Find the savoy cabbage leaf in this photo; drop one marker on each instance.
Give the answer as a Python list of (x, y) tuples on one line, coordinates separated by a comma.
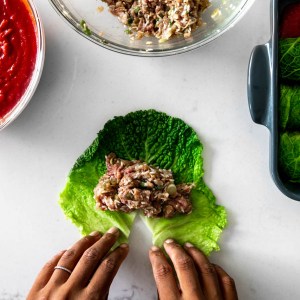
[(289, 58), (289, 107), (289, 155), (159, 140)]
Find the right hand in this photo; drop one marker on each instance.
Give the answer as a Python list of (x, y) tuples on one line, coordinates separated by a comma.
[(198, 279)]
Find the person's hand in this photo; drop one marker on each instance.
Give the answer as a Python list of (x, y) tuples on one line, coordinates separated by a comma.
[(197, 277), (84, 271)]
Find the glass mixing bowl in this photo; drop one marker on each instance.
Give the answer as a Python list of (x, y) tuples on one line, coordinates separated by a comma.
[(38, 68), (108, 32)]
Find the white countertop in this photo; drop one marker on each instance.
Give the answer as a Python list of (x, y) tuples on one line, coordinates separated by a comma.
[(83, 86)]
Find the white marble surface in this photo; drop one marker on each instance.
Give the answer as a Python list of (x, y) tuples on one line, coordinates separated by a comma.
[(82, 86)]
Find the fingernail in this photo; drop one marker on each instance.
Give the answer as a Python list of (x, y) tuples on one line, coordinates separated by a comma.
[(113, 230), (95, 233), (169, 241), (189, 245), (155, 248), (124, 246)]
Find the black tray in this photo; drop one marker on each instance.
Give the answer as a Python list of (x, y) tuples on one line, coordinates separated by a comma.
[(263, 94)]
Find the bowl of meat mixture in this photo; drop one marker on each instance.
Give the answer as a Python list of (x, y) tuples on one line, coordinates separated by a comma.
[(151, 27)]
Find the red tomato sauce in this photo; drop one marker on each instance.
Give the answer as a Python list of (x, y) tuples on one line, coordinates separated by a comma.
[(18, 51), (290, 24)]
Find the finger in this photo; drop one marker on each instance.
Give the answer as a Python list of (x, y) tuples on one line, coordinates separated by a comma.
[(46, 272), (70, 258), (92, 257), (207, 273), (163, 275), (185, 270), (227, 284), (106, 272)]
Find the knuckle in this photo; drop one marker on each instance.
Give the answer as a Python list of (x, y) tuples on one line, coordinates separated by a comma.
[(207, 269), (69, 254), (67, 291), (227, 280), (155, 254), (47, 294), (93, 293), (184, 262), (175, 245), (49, 265), (42, 296), (109, 264), (91, 254), (108, 237), (215, 296), (86, 239), (162, 271)]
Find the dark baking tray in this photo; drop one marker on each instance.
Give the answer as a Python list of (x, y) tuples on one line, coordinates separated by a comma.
[(263, 95)]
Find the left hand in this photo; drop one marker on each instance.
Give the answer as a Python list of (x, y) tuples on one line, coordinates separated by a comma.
[(89, 269)]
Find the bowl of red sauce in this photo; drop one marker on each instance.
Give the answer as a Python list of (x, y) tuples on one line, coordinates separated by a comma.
[(22, 53)]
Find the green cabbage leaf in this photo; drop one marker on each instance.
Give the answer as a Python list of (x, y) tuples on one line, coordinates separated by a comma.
[(202, 227), (289, 155), (289, 107), (289, 58), (159, 140)]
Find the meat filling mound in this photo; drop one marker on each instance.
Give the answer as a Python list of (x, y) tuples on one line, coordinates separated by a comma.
[(131, 185), (159, 18)]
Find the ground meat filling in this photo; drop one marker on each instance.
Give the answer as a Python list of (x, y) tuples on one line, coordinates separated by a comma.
[(159, 18), (132, 185)]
